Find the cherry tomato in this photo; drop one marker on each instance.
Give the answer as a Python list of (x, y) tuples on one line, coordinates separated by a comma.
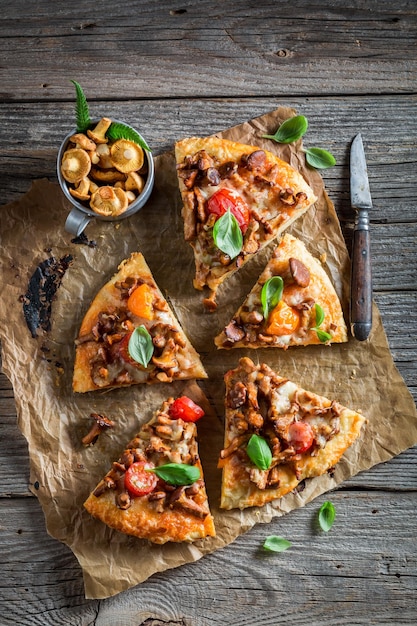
[(301, 436), (139, 481), (283, 320), (140, 301), (224, 200), (184, 408)]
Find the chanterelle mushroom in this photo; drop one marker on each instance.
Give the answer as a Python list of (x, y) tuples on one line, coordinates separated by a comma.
[(109, 201), (127, 156), (134, 182), (82, 141), (101, 422), (82, 192), (98, 134), (75, 165)]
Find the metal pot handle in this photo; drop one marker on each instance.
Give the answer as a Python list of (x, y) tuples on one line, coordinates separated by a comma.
[(77, 221)]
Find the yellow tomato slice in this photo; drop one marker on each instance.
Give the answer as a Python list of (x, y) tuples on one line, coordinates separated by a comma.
[(283, 320), (140, 302)]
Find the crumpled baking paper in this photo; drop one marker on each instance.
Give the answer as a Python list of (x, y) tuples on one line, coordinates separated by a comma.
[(53, 419)]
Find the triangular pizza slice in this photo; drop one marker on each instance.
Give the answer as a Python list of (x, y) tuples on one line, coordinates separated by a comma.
[(293, 303), (129, 335), (277, 434), (236, 198), (156, 489)]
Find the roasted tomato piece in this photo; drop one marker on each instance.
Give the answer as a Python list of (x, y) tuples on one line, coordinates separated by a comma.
[(139, 481), (140, 301), (283, 320), (301, 436), (184, 408), (225, 200)]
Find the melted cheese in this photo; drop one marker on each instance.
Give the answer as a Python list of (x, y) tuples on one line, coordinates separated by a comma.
[(282, 397)]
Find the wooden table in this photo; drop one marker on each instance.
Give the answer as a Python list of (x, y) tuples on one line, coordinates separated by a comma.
[(183, 68)]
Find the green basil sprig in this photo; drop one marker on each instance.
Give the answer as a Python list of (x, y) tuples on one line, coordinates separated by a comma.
[(326, 517), (227, 235), (276, 544), (259, 452), (321, 334), (290, 130), (140, 346), (319, 159), (117, 130), (271, 294), (177, 473), (82, 112)]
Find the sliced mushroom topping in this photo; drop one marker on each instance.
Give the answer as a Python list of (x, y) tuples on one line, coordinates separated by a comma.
[(233, 332), (109, 201), (255, 160), (299, 272), (237, 395), (127, 156), (75, 165)]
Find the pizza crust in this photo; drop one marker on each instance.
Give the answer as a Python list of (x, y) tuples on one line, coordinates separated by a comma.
[(143, 521), (109, 299), (237, 490), (162, 440)]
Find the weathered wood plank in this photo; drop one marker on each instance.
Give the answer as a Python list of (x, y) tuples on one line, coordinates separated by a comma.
[(363, 571), (203, 49), (31, 134)]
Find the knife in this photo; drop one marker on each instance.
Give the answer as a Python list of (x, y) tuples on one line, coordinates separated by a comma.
[(361, 276)]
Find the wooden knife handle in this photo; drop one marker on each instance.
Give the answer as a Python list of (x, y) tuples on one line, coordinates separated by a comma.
[(361, 283)]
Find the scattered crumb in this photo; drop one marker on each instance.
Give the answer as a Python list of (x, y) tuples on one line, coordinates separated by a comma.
[(323, 257)]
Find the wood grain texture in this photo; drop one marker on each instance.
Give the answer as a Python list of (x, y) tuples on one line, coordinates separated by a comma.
[(352, 571), (179, 69), (206, 49)]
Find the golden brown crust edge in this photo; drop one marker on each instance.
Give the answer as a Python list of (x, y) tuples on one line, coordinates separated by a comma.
[(143, 521)]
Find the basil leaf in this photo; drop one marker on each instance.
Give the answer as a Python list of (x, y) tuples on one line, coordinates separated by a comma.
[(177, 473), (327, 514), (322, 335), (140, 346), (319, 315), (117, 130), (259, 452), (82, 113), (319, 158), (227, 235), (276, 544), (271, 294), (290, 130)]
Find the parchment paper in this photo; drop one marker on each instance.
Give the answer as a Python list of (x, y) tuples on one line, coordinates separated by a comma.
[(53, 419)]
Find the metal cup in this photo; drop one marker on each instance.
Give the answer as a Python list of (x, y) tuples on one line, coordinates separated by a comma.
[(80, 216)]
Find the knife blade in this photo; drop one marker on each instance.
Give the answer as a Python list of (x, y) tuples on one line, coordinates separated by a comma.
[(361, 275)]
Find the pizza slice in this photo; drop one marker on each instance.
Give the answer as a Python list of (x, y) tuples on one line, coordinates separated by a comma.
[(129, 335), (236, 198), (293, 303), (276, 435), (156, 489)]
